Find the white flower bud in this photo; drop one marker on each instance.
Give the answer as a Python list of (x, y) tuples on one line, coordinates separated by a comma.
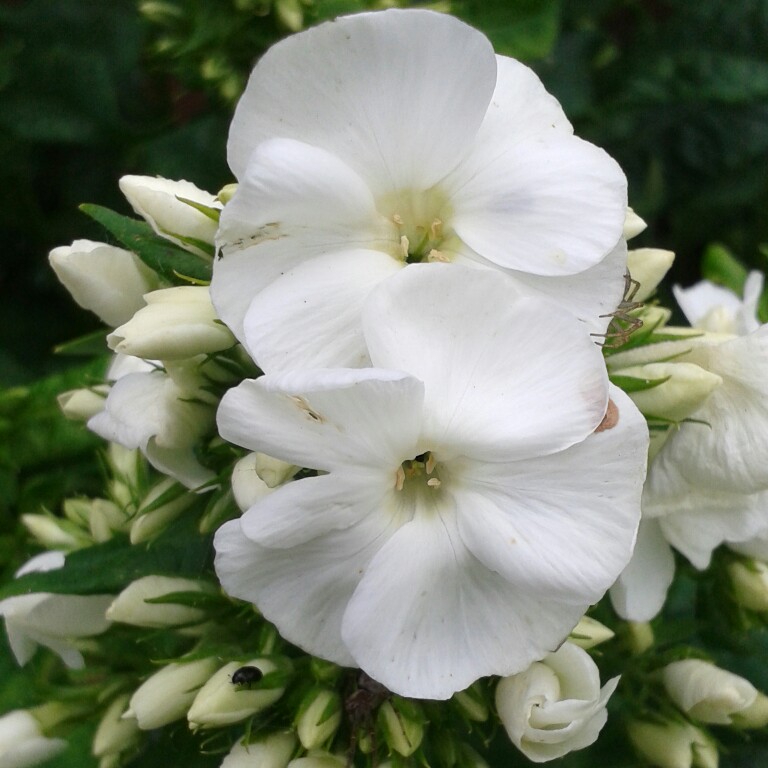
[(52, 620), (686, 388), (633, 224), (274, 751), (22, 742), (648, 266), (220, 702), (318, 759), (556, 706), (176, 323), (226, 193), (589, 632), (109, 281), (403, 726), (167, 695), (472, 703), (640, 636), (273, 471), (673, 744), (749, 580), (131, 606), (149, 524), (54, 533), (81, 404), (706, 692), (319, 717), (247, 486), (160, 202), (755, 715), (114, 733)]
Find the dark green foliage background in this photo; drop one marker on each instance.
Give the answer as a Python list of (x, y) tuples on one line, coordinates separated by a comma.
[(676, 91)]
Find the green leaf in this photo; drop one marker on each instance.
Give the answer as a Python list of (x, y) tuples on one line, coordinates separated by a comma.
[(90, 345), (165, 258), (110, 567), (720, 266), (525, 29)]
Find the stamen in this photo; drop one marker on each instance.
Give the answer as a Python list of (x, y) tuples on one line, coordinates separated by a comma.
[(399, 479), (398, 219), (438, 256), (405, 246), (433, 482), (436, 230), (430, 465)]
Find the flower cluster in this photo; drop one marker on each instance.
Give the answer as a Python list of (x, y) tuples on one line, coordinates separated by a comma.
[(402, 369)]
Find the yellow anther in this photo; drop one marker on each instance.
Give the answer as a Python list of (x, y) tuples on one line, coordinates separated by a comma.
[(433, 482), (399, 479)]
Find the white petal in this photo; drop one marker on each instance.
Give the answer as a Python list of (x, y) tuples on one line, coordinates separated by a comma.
[(727, 450), (550, 206), (640, 591), (563, 525), (428, 619), (328, 418), (305, 509), (306, 593), (71, 615), (310, 316), (504, 377), (397, 95)]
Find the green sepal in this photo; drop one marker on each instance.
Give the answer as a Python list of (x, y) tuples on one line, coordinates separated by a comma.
[(90, 345), (635, 384)]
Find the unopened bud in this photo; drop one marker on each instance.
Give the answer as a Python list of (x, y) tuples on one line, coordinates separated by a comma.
[(319, 717), (131, 606), (403, 725), (226, 193), (673, 744), (648, 266), (640, 636), (222, 702), (633, 224), (273, 471), (247, 486), (165, 502), (749, 580), (81, 404), (55, 533), (273, 751), (589, 632), (115, 734), (753, 716), (472, 703)]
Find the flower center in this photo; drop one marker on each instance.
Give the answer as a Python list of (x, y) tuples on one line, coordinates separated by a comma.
[(421, 226), (417, 474)]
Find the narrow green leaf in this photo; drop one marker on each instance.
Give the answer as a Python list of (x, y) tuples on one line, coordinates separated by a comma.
[(165, 258), (634, 384)]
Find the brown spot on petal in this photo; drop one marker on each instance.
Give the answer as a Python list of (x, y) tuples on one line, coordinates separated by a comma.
[(611, 418)]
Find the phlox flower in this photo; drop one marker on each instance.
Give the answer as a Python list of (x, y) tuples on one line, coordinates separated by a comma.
[(472, 497), (384, 139), (708, 485)]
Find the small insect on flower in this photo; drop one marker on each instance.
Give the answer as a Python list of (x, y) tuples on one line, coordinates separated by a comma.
[(246, 676)]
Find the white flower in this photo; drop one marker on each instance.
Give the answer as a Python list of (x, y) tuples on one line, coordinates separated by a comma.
[(109, 281), (389, 138), (274, 751), (718, 310), (465, 515), (176, 323), (167, 695), (556, 706), (52, 620), (706, 692), (22, 742), (162, 203), (151, 412)]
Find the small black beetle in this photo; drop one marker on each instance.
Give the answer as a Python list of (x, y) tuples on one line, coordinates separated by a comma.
[(246, 676)]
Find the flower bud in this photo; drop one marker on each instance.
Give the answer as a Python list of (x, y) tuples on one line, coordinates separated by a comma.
[(290, 14), (749, 581), (161, 203), (686, 388), (588, 633), (131, 606), (105, 519), (175, 324), (403, 725), (22, 742), (115, 734), (273, 751), (648, 266), (468, 758), (640, 636), (673, 744), (226, 193), (54, 533), (165, 502), (472, 704), (556, 706), (106, 280), (167, 695), (220, 702), (319, 717), (318, 759), (273, 471), (753, 716), (247, 485), (706, 692), (633, 224), (81, 404)]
